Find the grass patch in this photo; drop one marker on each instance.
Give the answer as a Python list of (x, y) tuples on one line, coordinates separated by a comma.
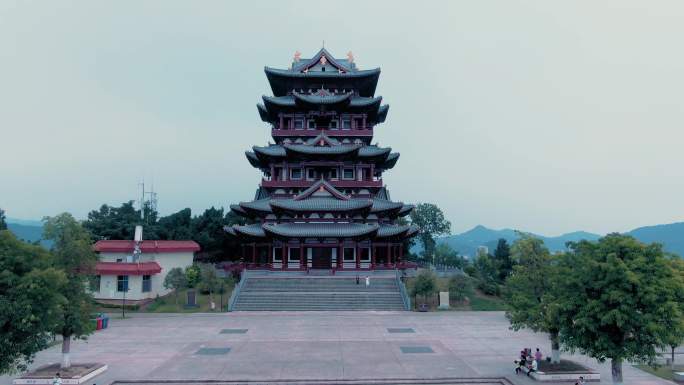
[(660, 371), (167, 303)]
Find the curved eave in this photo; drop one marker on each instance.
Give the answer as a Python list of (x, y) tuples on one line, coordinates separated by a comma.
[(249, 231), (391, 161), (382, 113), (258, 207), (406, 210), (381, 206), (253, 159), (375, 152), (321, 205), (263, 113), (264, 153), (282, 81), (307, 63), (303, 149), (393, 231), (239, 210), (321, 230), (315, 101), (413, 231)]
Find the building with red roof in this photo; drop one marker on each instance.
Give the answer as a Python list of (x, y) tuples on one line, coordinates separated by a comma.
[(141, 278)]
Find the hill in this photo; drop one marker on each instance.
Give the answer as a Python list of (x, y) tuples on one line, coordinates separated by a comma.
[(671, 236)]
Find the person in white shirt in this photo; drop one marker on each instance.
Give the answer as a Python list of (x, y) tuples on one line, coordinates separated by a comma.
[(57, 380)]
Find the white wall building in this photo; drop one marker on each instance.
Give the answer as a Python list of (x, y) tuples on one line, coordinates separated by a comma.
[(144, 278)]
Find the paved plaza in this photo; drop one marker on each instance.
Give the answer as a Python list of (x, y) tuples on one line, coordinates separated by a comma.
[(353, 347)]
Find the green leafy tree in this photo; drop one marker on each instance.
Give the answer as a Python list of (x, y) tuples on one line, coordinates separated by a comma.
[(620, 300), (486, 274), (193, 276), (30, 301), (459, 286), (177, 226), (72, 253), (676, 337), (3, 224), (531, 291), (209, 281), (425, 284), (431, 223), (502, 260), (445, 255), (175, 280), (110, 222)]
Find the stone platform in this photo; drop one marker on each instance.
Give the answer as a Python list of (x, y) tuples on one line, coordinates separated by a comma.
[(337, 347)]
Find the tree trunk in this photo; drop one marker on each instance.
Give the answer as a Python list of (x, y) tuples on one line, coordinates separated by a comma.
[(616, 370), (175, 294), (555, 347), (66, 346), (672, 365)]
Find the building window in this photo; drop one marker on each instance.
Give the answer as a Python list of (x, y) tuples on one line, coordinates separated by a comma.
[(293, 254), (348, 173), (147, 284), (346, 124), (277, 254), (333, 124), (121, 283), (119, 260), (365, 254), (299, 124), (311, 174), (295, 173), (311, 124), (332, 174), (349, 254), (358, 122), (95, 283)]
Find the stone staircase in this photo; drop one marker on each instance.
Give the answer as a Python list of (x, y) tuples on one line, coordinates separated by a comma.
[(318, 294)]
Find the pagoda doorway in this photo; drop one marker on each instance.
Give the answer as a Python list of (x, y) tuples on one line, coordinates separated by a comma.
[(321, 257)]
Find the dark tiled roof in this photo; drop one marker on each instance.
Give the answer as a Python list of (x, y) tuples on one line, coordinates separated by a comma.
[(322, 183), (331, 230), (322, 136), (380, 205), (387, 231), (391, 161), (321, 99), (322, 150), (257, 205), (254, 230), (373, 151), (406, 209), (322, 204)]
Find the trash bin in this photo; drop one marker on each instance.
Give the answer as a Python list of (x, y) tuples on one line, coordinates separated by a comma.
[(105, 322), (99, 323), (94, 322)]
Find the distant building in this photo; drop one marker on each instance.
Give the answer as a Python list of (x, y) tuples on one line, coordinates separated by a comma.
[(116, 271), (482, 250)]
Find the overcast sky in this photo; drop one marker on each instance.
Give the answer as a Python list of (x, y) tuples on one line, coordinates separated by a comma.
[(542, 116)]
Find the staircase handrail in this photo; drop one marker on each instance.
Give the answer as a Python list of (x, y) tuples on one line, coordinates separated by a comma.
[(236, 290), (402, 288)]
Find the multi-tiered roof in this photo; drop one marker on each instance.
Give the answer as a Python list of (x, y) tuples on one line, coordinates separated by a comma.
[(322, 176)]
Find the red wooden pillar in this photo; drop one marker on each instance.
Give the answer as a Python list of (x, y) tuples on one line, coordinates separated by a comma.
[(358, 255), (302, 262), (374, 249), (254, 253), (283, 257), (389, 254), (270, 255), (401, 253)]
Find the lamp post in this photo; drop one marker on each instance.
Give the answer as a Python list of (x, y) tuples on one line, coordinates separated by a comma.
[(123, 306)]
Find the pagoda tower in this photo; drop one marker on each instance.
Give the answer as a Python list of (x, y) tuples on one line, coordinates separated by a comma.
[(321, 203)]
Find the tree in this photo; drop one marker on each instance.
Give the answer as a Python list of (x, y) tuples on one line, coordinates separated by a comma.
[(209, 281), (446, 255), (620, 300), (3, 224), (30, 301), (486, 274), (175, 280), (676, 337), (502, 260), (431, 223), (425, 284), (459, 286), (72, 253), (192, 276), (114, 222), (531, 291)]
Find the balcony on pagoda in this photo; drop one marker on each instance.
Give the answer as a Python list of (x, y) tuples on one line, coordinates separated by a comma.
[(303, 183), (287, 132)]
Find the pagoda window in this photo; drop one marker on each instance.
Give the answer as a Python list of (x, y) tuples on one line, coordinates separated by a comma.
[(349, 254), (311, 174), (311, 124), (358, 123), (332, 174), (365, 254), (295, 173), (286, 123), (346, 123), (334, 124), (348, 173), (293, 254), (299, 124), (277, 254)]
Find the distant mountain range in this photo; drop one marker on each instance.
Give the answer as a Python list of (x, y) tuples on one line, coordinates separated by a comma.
[(670, 235)]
